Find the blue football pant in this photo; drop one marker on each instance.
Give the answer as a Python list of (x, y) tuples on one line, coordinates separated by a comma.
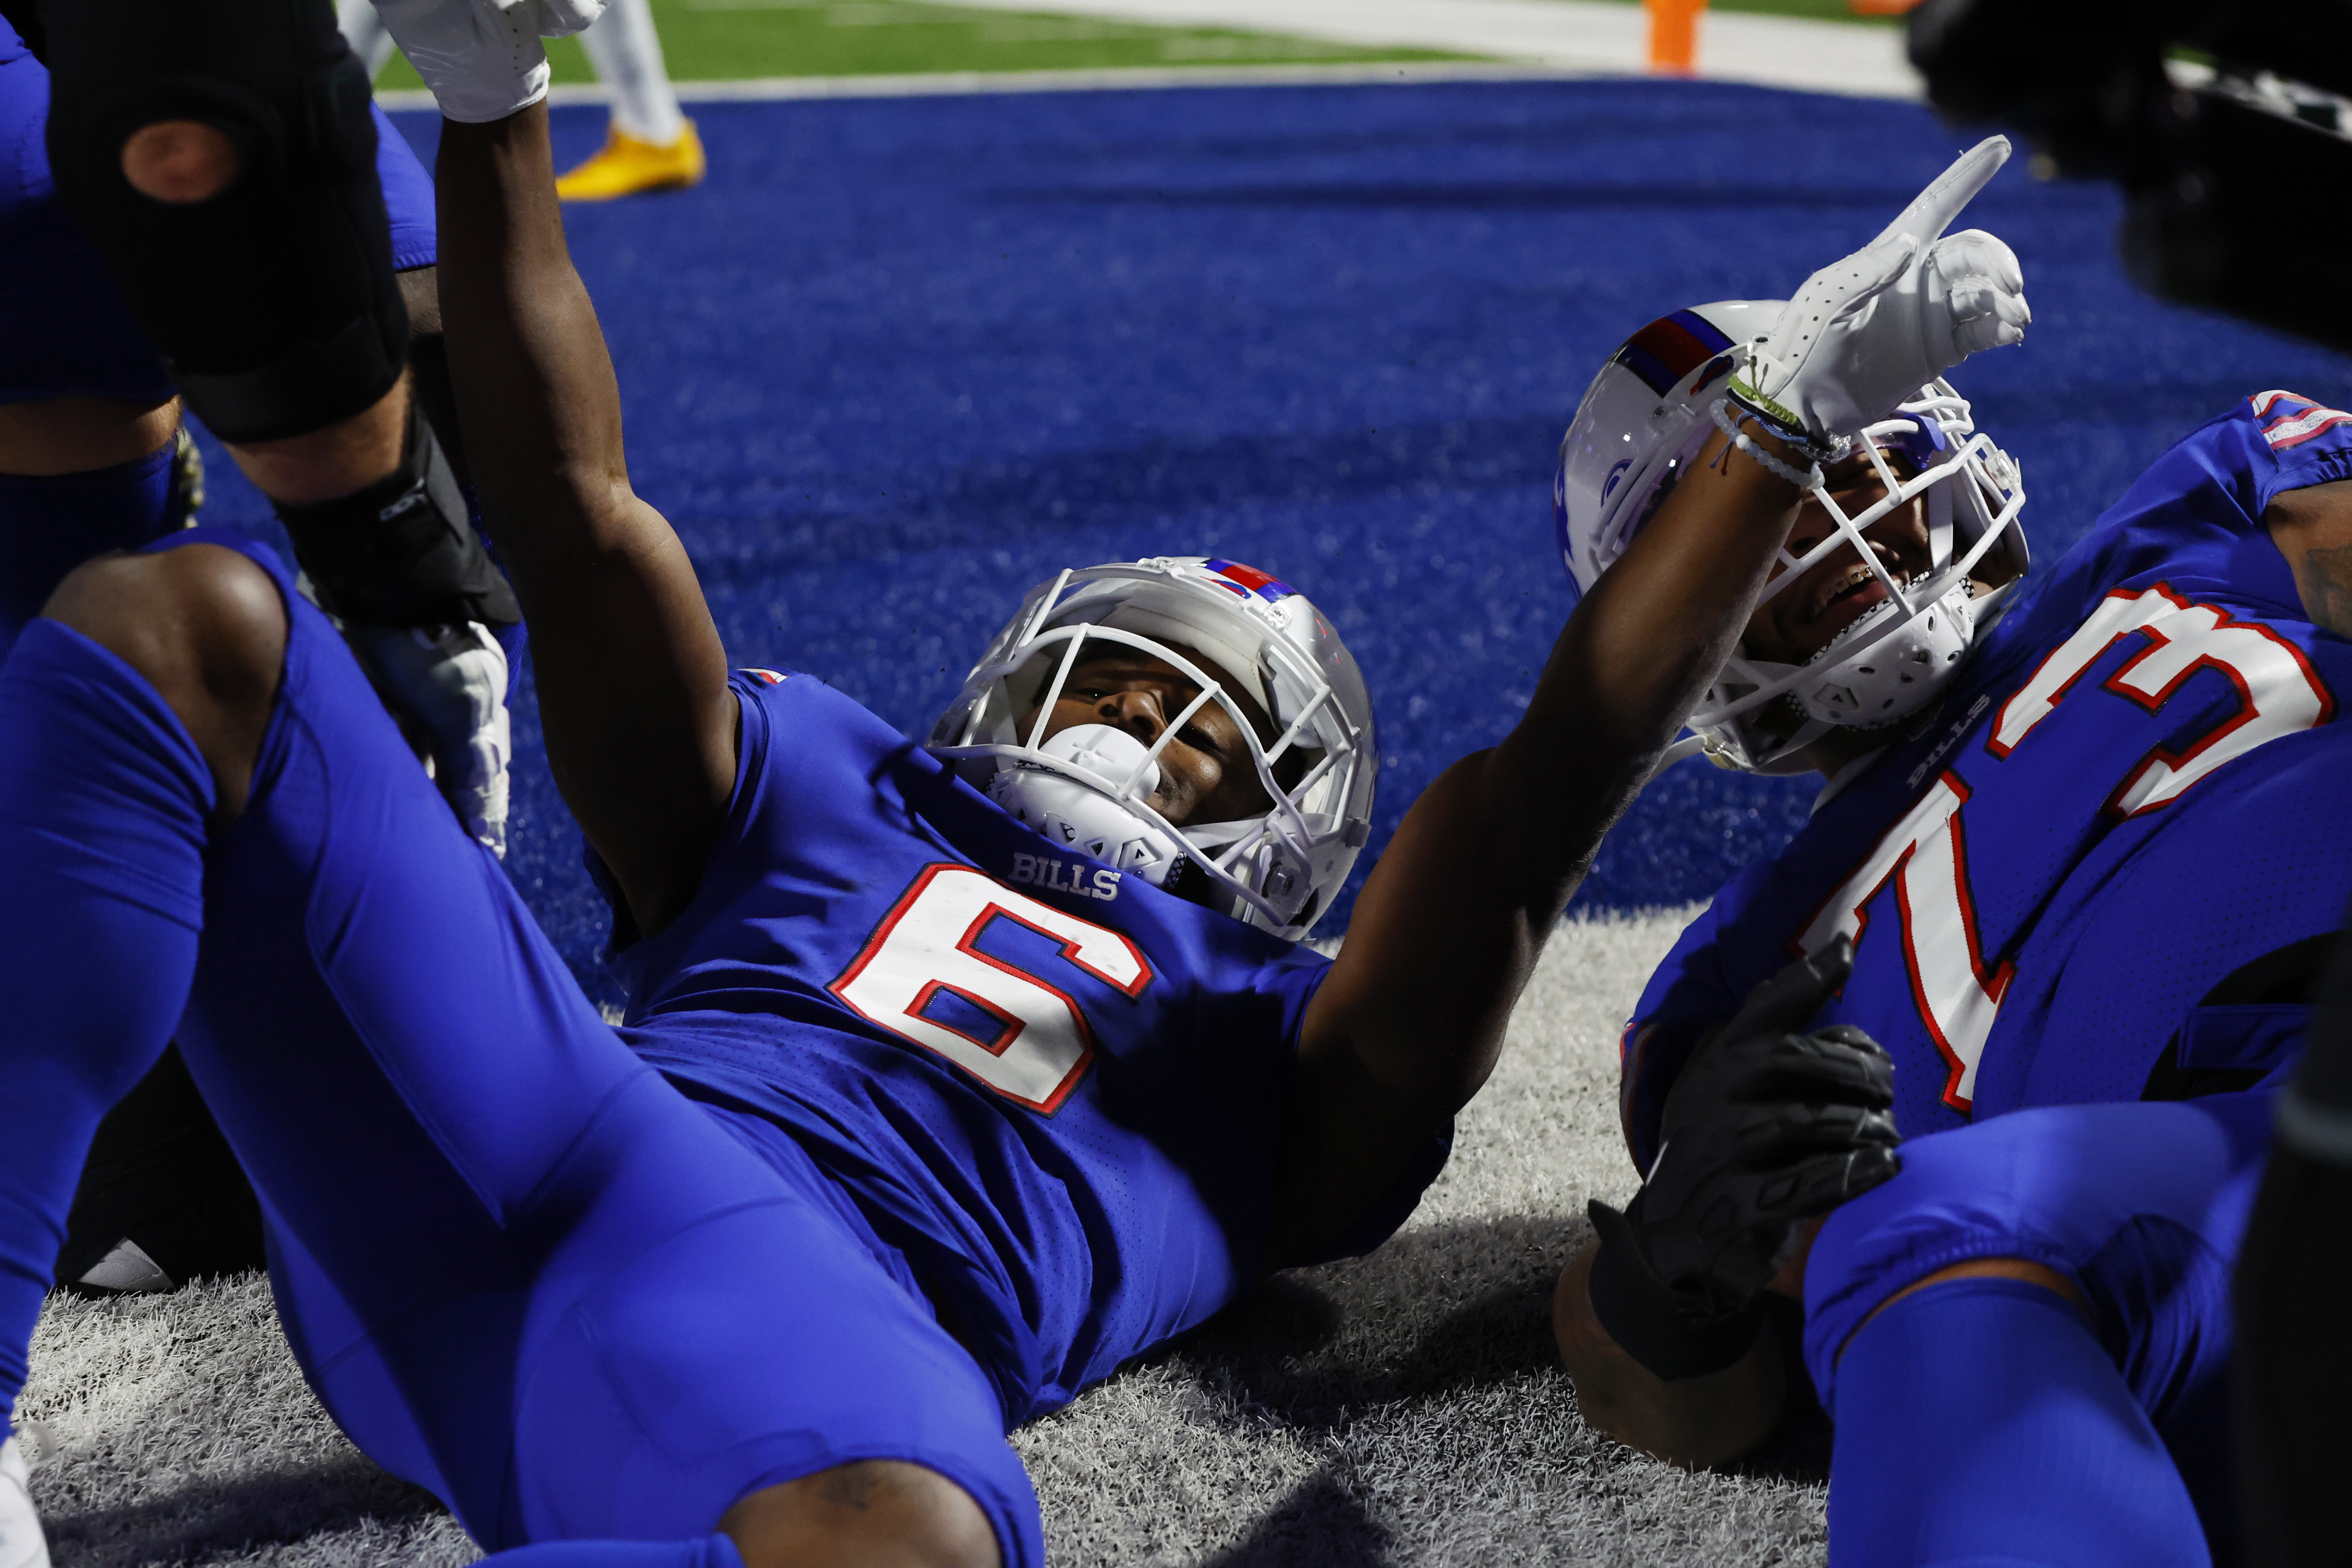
[(1980, 1422), (518, 1266), (50, 525), (1968, 1412)]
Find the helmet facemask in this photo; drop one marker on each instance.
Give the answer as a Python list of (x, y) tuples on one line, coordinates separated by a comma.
[(1762, 714), (1245, 644), (1642, 423)]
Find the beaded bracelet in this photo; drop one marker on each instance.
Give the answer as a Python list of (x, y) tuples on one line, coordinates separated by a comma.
[(1803, 478), (1775, 420)]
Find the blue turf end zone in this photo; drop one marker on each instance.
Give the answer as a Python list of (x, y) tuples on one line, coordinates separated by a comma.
[(898, 359)]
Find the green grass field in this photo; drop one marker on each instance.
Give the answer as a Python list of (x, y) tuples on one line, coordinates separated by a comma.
[(721, 41), (1819, 10)]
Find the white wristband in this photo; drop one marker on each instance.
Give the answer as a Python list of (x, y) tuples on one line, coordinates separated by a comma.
[(1803, 478)]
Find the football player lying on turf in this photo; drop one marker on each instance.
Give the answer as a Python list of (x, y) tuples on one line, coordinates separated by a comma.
[(2087, 839), (921, 1120)]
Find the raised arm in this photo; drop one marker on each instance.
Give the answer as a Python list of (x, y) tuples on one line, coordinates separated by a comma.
[(632, 680), (1409, 1022), (1450, 920)]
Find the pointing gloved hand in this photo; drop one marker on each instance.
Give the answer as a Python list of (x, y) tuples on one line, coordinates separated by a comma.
[(1866, 333), (482, 58), (1768, 1126)]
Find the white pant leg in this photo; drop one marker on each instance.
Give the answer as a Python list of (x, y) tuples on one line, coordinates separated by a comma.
[(627, 56), (365, 31)]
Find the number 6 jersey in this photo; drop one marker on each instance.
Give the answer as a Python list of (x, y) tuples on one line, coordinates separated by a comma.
[(1058, 1089), (2085, 875)]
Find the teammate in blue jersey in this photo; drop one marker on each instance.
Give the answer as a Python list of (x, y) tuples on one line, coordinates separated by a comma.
[(2083, 839), (952, 1076), (94, 457), (109, 328), (91, 456)]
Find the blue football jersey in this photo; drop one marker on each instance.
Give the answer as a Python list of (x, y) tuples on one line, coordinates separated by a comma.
[(2138, 785), (1059, 1090)]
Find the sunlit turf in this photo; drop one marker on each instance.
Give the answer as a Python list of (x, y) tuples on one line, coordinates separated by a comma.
[(721, 40), (1820, 10), (718, 40)]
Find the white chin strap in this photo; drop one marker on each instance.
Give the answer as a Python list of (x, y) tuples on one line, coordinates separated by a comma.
[(1086, 807)]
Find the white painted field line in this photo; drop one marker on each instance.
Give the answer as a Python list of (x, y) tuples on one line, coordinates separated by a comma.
[(956, 84), (1523, 38), (1577, 34)]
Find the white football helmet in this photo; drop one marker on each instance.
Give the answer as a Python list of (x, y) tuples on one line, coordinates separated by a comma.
[(1646, 416), (1086, 787)]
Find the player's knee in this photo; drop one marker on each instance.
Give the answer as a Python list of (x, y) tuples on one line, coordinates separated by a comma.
[(205, 627), (875, 1514), (2025, 1271), (179, 161), (301, 325), (2005, 1199)]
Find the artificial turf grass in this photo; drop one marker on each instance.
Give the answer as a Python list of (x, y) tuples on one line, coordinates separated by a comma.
[(723, 40)]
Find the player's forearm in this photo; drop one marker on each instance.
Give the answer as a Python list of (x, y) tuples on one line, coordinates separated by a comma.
[(632, 676), (1452, 918), (1635, 657), (1449, 924), (1691, 1421), (1629, 666), (534, 386), (1442, 940)]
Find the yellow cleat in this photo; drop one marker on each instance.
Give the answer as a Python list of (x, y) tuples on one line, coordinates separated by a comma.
[(624, 166)]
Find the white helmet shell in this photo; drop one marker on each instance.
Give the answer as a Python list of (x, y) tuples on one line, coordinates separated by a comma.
[(1644, 418), (1216, 621)]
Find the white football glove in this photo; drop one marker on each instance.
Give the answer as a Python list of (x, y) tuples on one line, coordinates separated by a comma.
[(482, 58), (449, 686), (22, 1544), (1869, 331)]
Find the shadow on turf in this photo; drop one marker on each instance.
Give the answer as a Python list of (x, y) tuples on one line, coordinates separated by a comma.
[(1321, 1522), (280, 1506), (1433, 1314)]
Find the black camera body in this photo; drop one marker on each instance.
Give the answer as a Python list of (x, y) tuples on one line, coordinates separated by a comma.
[(2229, 127)]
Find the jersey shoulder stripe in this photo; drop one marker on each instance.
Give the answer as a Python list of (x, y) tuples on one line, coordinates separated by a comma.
[(2289, 418)]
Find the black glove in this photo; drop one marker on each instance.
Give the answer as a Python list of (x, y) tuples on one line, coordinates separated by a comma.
[(1764, 1129)]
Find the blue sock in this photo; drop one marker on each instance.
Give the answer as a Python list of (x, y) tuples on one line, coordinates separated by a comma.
[(710, 1552), (50, 526), (102, 805), (1979, 1422)]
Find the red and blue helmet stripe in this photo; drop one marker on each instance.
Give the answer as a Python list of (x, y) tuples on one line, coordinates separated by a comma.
[(1247, 581), (1670, 348)]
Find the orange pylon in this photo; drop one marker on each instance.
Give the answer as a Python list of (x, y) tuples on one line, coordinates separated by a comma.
[(1674, 34)]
